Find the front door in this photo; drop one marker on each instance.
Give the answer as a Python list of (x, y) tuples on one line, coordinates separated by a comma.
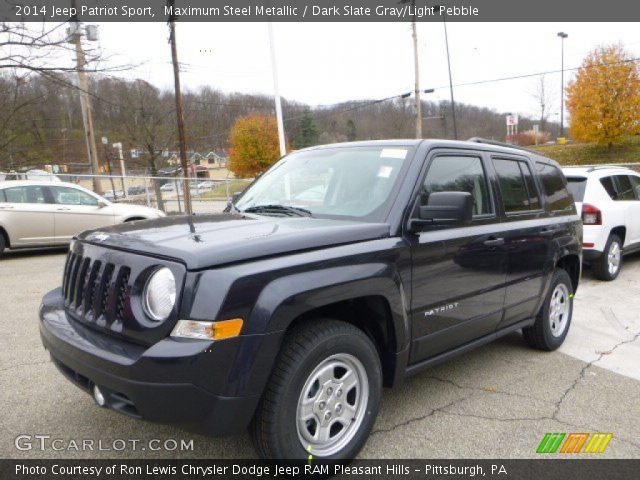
[(459, 272), (76, 211)]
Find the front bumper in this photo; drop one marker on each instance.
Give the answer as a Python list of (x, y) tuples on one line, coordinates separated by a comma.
[(205, 386)]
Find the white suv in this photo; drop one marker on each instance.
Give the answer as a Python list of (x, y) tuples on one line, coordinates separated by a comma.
[(609, 199)]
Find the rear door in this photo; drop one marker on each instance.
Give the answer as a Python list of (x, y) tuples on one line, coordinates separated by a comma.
[(527, 238), (27, 216), (459, 271), (76, 211)]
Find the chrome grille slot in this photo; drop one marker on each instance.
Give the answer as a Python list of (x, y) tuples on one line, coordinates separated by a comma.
[(91, 287), (74, 278), (105, 287), (82, 278), (121, 292)]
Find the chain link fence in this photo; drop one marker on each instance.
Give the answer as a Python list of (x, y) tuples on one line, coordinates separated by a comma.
[(165, 193)]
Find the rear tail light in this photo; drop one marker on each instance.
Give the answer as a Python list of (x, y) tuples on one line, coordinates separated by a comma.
[(591, 215)]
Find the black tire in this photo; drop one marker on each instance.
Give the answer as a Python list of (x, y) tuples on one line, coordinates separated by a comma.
[(308, 347), (541, 334), (2, 243), (600, 267)]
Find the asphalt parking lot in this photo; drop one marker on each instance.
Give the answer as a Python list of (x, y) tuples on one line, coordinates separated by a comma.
[(495, 402)]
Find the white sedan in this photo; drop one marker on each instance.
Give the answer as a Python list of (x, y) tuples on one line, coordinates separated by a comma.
[(36, 214)]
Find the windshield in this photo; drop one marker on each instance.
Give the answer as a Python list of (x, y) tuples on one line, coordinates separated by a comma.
[(576, 186), (350, 181)]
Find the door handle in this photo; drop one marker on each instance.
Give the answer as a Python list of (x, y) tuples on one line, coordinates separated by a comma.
[(6, 207), (494, 242), (547, 232), (63, 209)]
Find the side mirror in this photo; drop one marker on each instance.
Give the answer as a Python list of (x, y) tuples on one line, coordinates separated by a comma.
[(443, 208), (102, 204)]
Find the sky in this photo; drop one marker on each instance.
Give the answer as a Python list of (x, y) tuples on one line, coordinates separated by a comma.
[(327, 63)]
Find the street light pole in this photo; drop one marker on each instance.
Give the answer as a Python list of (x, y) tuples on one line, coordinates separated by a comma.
[(276, 91), (414, 34), (562, 36), (453, 103)]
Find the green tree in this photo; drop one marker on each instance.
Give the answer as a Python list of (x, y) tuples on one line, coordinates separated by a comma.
[(307, 131), (352, 133)]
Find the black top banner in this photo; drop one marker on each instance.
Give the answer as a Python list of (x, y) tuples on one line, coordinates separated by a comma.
[(320, 10)]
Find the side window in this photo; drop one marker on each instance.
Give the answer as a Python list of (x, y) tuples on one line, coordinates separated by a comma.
[(458, 174), (607, 183), (555, 188), (635, 181), (72, 196), (3, 197), (25, 194), (623, 188), (518, 190)]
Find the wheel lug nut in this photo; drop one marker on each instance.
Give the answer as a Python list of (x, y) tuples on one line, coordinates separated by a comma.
[(329, 391), (339, 393), (327, 415), (338, 408), (321, 405)]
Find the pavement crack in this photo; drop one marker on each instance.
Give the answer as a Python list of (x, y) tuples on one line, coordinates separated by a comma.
[(584, 369)]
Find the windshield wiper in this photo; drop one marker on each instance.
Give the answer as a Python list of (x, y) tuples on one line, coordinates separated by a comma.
[(279, 210)]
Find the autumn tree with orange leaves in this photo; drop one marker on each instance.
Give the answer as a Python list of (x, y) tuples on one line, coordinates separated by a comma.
[(604, 98), (254, 145)]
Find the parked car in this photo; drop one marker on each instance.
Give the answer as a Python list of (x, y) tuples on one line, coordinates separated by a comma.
[(34, 174), (111, 195), (608, 198), (171, 187), (34, 214), (136, 190), (290, 319)]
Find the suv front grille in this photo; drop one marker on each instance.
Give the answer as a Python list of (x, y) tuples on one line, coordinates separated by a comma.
[(102, 288), (96, 291)]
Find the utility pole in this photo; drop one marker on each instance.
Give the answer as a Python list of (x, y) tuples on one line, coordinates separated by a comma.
[(85, 102), (414, 34), (562, 36), (276, 91), (179, 111)]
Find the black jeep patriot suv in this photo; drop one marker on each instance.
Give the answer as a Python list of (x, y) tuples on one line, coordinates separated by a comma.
[(342, 269)]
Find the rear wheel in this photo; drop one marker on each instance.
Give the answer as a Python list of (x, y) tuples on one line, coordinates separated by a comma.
[(553, 321), (323, 395), (608, 266), (2, 243)]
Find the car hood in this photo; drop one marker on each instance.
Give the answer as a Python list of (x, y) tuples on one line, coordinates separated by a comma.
[(120, 209), (210, 240)]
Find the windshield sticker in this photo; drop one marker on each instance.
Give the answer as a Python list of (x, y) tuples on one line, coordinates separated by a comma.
[(399, 153)]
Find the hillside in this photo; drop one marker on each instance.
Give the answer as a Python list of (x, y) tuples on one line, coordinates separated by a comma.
[(590, 154)]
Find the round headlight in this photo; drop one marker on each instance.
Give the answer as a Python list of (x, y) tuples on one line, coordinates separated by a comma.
[(159, 296)]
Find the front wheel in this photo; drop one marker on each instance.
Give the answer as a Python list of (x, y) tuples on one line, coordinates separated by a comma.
[(554, 318), (323, 395)]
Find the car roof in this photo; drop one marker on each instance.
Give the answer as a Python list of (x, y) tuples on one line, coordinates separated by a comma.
[(478, 144), (596, 171)]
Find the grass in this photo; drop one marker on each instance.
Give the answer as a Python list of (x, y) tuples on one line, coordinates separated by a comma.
[(627, 151), (221, 190)]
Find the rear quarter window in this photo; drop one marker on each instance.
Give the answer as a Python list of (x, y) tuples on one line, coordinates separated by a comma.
[(555, 188), (576, 187)]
